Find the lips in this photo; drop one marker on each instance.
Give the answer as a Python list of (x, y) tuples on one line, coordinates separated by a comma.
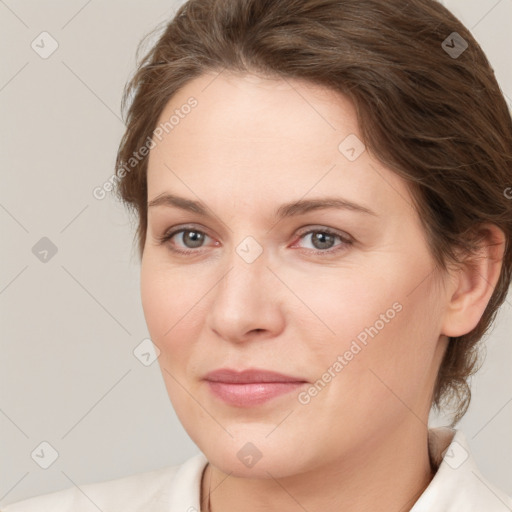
[(249, 376), (249, 388)]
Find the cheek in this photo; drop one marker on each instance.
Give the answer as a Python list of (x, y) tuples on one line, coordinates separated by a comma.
[(396, 366), (170, 306), (345, 307), (158, 303), (168, 294), (385, 333)]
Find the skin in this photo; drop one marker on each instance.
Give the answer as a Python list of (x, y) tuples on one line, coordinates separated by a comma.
[(249, 146)]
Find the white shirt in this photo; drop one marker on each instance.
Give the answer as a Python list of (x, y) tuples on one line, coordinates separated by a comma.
[(457, 486)]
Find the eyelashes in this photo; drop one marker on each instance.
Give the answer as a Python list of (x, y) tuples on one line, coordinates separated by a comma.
[(197, 237), (167, 237)]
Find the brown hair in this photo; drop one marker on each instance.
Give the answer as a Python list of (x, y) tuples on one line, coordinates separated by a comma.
[(436, 118)]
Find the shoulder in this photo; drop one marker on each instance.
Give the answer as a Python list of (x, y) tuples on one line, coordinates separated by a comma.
[(135, 493)]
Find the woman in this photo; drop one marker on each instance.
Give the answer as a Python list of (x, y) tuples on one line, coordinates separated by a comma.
[(324, 230)]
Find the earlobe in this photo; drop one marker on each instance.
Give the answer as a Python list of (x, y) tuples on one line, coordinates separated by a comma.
[(472, 285)]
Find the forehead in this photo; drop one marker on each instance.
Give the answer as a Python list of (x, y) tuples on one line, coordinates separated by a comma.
[(251, 106), (249, 133)]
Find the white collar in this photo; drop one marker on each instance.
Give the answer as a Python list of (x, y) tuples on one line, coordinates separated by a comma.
[(457, 486)]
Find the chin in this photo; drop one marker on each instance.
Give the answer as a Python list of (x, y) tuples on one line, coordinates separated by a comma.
[(260, 458)]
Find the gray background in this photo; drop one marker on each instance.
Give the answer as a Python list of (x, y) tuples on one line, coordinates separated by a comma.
[(70, 325)]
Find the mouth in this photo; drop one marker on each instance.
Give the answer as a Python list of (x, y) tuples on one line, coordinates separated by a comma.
[(250, 387)]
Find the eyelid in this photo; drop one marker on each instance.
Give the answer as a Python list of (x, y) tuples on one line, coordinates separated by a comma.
[(171, 232), (185, 227), (346, 240), (324, 229), (344, 237)]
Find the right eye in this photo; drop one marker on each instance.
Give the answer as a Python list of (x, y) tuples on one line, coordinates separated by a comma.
[(189, 239)]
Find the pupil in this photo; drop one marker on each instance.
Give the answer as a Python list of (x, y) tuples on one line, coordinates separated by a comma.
[(321, 238), (194, 238)]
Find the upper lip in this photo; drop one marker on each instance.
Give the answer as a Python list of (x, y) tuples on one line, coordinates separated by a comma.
[(248, 376)]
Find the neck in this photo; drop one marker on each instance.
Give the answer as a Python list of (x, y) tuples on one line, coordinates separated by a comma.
[(386, 474)]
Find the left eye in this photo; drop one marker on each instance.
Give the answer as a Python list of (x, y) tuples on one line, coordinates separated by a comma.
[(323, 240)]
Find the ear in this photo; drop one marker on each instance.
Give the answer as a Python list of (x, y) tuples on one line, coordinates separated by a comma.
[(470, 287)]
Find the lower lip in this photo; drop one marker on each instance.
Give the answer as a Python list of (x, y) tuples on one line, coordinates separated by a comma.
[(248, 395)]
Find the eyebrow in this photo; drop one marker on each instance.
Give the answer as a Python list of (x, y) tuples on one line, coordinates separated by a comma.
[(294, 208)]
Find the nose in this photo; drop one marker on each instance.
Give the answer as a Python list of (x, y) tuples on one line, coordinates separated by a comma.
[(247, 302)]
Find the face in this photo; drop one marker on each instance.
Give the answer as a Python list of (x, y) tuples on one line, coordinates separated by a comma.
[(291, 249)]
